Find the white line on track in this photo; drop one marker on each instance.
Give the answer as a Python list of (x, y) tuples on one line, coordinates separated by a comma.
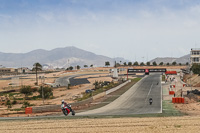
[(149, 91)]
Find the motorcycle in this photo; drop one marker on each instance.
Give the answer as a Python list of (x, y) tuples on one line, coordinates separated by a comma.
[(67, 108), (150, 101)]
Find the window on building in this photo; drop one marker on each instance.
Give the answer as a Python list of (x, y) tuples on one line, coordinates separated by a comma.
[(195, 52), (195, 59)]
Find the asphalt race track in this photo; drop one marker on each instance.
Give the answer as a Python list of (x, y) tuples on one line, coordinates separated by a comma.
[(64, 81), (135, 100)]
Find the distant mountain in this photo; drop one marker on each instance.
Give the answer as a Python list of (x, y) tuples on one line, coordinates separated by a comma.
[(56, 58), (182, 60)]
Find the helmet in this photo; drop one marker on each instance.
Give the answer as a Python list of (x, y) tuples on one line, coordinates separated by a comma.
[(63, 101)]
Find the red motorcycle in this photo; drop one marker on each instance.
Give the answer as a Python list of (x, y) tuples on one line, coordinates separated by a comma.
[(66, 109)]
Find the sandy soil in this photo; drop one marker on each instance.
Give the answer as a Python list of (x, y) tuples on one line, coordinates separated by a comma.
[(69, 95), (28, 79), (192, 104), (123, 125)]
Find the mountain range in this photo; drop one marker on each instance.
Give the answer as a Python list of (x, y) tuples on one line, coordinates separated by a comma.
[(68, 56), (56, 58), (165, 60)]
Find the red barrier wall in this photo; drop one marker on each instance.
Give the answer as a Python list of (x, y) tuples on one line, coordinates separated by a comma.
[(171, 92), (171, 72)]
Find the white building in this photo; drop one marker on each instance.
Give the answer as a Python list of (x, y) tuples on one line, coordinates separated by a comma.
[(194, 55)]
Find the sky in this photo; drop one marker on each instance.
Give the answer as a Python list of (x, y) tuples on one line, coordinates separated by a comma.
[(133, 29)]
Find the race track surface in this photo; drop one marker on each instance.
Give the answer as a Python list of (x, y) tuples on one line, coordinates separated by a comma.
[(135, 100)]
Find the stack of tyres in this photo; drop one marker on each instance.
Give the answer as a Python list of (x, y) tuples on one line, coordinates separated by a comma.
[(173, 100), (178, 100), (183, 100)]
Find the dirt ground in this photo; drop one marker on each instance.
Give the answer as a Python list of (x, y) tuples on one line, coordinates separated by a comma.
[(69, 95), (101, 125), (184, 124), (27, 79), (191, 106)]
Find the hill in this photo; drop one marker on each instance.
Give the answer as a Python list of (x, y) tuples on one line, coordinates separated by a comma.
[(165, 60), (56, 58)]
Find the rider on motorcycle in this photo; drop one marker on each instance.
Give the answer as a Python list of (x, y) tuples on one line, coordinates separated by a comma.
[(150, 101), (65, 106)]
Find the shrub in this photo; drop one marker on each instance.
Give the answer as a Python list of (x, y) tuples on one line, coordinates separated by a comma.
[(174, 63), (142, 64), (26, 90), (136, 63), (195, 68), (35, 97), (9, 104), (14, 102), (154, 63), (161, 63), (34, 89), (26, 104), (148, 63), (47, 91)]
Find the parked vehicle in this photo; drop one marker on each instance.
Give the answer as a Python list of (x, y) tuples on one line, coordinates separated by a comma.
[(88, 91)]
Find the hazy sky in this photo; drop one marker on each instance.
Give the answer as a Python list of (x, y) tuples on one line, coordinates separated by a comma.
[(133, 29)]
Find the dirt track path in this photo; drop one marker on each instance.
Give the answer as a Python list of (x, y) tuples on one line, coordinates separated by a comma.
[(137, 125)]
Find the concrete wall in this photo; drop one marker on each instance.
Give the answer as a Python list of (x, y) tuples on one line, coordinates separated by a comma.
[(46, 108), (57, 108)]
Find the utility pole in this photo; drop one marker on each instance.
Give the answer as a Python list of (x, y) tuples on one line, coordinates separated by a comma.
[(42, 81), (191, 80)]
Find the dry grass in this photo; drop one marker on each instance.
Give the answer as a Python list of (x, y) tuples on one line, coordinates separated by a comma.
[(125, 125)]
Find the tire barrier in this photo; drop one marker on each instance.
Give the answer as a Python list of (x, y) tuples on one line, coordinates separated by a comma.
[(28, 110), (171, 92), (178, 100)]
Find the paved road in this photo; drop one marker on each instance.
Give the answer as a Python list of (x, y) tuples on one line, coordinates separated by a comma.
[(64, 81), (135, 100)]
